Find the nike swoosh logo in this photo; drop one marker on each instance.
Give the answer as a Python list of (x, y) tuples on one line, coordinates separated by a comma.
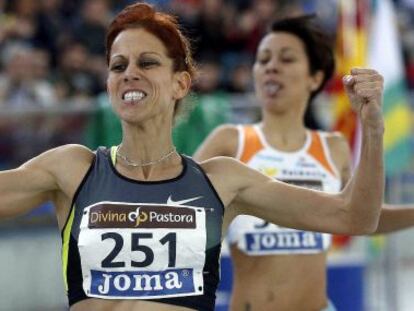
[(170, 201)]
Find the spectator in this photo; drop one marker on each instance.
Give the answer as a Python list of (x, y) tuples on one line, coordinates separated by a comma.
[(90, 31), (240, 80), (22, 22), (51, 31), (74, 81), (208, 80), (19, 85)]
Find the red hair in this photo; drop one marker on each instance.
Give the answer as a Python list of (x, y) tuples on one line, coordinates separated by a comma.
[(162, 25)]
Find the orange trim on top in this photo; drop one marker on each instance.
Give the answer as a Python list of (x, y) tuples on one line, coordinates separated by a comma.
[(252, 143), (316, 150)]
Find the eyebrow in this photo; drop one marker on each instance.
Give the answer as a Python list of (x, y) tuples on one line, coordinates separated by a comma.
[(283, 50), (288, 49), (143, 53)]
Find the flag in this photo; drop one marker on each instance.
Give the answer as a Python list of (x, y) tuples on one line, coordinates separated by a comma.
[(351, 51), (385, 56)]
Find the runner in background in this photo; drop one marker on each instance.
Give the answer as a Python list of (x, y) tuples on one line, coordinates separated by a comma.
[(277, 268)]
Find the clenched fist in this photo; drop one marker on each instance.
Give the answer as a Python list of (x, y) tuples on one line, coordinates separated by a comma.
[(365, 89)]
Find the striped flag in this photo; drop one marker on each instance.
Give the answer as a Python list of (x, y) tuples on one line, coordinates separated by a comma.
[(367, 36), (385, 56), (351, 51), (376, 46)]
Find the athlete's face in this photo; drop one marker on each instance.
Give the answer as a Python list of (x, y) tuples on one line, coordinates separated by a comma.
[(141, 82), (281, 73)]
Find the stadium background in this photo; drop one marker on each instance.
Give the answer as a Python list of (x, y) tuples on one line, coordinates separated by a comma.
[(52, 84)]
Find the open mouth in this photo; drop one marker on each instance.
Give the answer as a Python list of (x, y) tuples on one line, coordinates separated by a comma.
[(271, 88), (133, 96)]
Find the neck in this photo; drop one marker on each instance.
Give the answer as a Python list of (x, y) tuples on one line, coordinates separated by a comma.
[(148, 142), (284, 131)]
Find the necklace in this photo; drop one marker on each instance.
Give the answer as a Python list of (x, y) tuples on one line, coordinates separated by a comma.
[(135, 164)]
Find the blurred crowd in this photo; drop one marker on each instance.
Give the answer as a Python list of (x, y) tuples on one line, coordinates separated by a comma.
[(52, 51)]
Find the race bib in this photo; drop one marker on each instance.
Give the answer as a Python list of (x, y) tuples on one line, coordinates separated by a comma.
[(263, 238), (260, 237), (142, 251)]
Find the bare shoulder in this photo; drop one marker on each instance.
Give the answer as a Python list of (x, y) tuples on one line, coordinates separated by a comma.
[(226, 131), (338, 146), (217, 164), (228, 167), (341, 154), (73, 152), (66, 157), (223, 141), (231, 172), (228, 176), (336, 141)]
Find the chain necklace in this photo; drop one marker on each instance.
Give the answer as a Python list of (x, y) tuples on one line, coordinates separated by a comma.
[(135, 164)]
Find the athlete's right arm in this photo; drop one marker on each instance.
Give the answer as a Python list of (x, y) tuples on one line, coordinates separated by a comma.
[(36, 181), (223, 141)]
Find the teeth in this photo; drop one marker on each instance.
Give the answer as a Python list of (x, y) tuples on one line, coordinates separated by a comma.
[(134, 96), (271, 88)]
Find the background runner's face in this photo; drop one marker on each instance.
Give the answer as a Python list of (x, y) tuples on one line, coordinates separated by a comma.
[(281, 73), (141, 81)]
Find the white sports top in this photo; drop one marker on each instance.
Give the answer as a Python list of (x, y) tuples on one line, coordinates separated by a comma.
[(309, 167)]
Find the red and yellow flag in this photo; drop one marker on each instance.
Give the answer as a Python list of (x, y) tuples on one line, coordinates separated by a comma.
[(351, 51)]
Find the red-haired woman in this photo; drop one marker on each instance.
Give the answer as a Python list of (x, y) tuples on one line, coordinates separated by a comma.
[(141, 224)]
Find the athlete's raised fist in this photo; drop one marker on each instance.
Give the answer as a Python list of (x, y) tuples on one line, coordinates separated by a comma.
[(365, 89)]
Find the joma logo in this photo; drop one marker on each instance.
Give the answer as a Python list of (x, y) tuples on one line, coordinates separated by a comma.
[(136, 284), (284, 240)]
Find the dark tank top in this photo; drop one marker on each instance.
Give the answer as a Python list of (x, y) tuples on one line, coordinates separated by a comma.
[(156, 240)]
